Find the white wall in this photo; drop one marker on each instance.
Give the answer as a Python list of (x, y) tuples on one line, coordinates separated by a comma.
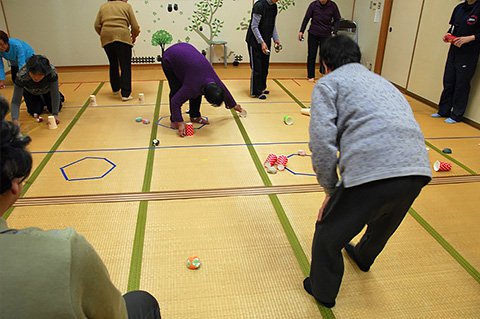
[(60, 29), (63, 29), (368, 29), (3, 27)]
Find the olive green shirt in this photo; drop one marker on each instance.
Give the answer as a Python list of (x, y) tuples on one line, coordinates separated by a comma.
[(54, 274), (116, 22)]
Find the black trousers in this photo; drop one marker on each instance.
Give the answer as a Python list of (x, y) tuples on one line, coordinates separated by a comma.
[(141, 305), (14, 71), (459, 70), (36, 103), (120, 54), (259, 63), (381, 205), (175, 85), (314, 45)]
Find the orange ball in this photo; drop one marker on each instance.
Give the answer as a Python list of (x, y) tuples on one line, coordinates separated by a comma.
[(193, 262)]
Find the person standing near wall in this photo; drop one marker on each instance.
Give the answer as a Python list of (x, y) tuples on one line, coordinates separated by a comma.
[(118, 29), (17, 52), (324, 16), (362, 127), (461, 62), (260, 32)]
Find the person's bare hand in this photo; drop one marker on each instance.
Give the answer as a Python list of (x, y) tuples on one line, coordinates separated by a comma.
[(458, 42), (238, 108), (181, 129), (265, 49), (300, 36)]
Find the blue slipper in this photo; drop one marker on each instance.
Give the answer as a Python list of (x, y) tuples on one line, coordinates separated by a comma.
[(435, 115), (450, 121)]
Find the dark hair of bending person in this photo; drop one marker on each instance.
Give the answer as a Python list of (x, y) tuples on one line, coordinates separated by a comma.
[(214, 94)]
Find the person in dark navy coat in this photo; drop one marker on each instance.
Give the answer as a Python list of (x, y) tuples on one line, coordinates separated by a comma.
[(464, 36)]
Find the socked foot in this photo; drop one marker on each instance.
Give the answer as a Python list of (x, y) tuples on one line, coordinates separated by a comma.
[(350, 249), (200, 120), (307, 285)]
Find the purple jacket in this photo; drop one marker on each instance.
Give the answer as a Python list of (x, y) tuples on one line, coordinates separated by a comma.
[(324, 17), (194, 72)]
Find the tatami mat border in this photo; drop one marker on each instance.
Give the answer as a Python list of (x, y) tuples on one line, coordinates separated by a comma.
[(205, 193), (282, 216), (55, 146), (446, 245), (471, 171), (290, 94), (138, 242)]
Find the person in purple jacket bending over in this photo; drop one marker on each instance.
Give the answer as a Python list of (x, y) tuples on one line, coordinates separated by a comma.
[(190, 76)]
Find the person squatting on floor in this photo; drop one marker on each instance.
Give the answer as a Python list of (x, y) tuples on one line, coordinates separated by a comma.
[(16, 52), (382, 161), (53, 273), (259, 40), (190, 76), (461, 62), (37, 82)]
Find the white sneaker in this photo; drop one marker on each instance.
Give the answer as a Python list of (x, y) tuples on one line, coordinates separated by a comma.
[(124, 99), (116, 92)]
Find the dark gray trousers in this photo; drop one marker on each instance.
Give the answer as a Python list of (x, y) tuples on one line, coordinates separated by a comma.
[(381, 205), (141, 305)]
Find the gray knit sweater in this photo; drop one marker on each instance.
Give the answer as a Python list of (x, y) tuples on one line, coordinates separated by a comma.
[(362, 125)]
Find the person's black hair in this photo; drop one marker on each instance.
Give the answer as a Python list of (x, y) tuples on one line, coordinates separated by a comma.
[(3, 108), (38, 64), (4, 37), (214, 94), (340, 50), (15, 160)]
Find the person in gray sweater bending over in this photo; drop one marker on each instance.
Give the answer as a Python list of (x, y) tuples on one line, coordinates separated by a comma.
[(364, 127), (37, 82)]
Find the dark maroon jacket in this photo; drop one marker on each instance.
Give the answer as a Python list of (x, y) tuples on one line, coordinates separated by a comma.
[(323, 17)]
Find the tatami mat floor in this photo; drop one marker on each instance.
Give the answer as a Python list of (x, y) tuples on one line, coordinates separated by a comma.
[(255, 248)]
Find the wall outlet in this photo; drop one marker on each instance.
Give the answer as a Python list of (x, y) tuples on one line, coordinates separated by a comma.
[(369, 65)]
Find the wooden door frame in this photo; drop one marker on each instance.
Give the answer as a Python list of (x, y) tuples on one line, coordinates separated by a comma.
[(382, 38)]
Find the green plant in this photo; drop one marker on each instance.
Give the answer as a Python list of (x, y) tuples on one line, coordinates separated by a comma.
[(285, 4), (161, 38), (202, 16)]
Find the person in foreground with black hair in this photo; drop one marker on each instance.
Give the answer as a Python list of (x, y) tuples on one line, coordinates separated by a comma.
[(37, 81), (362, 126), (190, 76), (55, 273)]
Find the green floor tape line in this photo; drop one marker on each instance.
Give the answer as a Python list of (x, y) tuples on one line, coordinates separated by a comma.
[(471, 171), (137, 253), (55, 146), (282, 216), (290, 94), (449, 248)]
